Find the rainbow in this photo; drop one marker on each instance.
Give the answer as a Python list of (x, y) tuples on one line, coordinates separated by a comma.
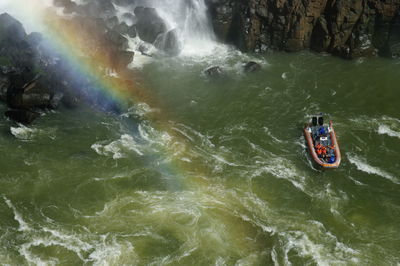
[(70, 40), (85, 50)]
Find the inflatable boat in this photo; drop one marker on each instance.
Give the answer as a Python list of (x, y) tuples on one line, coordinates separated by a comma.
[(322, 143)]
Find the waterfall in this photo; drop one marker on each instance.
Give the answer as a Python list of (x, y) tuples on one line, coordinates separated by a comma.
[(191, 19)]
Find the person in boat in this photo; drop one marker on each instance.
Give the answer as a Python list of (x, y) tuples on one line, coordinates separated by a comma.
[(321, 150)]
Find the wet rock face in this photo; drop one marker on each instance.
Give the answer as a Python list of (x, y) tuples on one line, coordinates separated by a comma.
[(169, 43), (22, 116), (149, 24), (348, 28)]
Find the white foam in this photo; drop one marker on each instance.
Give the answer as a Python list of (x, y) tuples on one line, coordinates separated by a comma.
[(140, 110), (118, 149), (23, 133), (386, 130), (363, 166), (23, 226), (280, 168)]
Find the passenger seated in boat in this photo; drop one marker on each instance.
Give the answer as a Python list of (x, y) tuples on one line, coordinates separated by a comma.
[(321, 150)]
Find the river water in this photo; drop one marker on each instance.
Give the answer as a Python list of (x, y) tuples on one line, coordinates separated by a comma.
[(215, 174)]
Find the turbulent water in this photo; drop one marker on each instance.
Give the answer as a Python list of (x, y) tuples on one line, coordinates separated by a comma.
[(215, 171), (215, 174)]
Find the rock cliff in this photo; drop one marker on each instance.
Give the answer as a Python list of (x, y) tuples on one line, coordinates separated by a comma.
[(347, 28)]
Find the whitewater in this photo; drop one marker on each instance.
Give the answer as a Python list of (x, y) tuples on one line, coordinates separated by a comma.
[(224, 179)]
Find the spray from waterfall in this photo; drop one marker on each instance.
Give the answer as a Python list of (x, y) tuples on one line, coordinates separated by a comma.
[(190, 18), (190, 22)]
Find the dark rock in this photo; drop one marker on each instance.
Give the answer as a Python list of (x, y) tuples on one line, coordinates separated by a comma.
[(112, 22), (169, 43), (70, 100), (4, 85), (251, 67), (22, 116), (56, 100), (35, 38), (214, 71), (120, 59), (149, 24), (99, 8), (144, 50), (132, 31), (117, 40), (321, 38), (122, 28), (346, 28), (14, 45), (34, 100), (11, 30)]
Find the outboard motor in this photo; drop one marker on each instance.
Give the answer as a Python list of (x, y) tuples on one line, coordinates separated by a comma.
[(320, 121), (314, 121)]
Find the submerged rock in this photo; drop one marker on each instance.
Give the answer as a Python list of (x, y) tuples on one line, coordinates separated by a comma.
[(22, 116), (251, 67), (214, 71)]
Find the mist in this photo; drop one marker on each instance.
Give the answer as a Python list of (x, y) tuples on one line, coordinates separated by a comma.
[(27, 12)]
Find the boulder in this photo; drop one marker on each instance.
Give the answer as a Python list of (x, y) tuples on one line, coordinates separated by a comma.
[(120, 59), (132, 31), (98, 9), (214, 72), (11, 30), (122, 28), (34, 100), (169, 43), (116, 40), (14, 43), (22, 116), (70, 100), (4, 84), (251, 67), (112, 22), (149, 24), (56, 100), (35, 38)]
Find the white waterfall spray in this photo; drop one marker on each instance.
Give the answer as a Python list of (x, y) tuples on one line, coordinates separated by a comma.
[(191, 19)]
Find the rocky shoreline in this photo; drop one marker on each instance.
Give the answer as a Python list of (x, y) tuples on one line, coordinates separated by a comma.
[(345, 28)]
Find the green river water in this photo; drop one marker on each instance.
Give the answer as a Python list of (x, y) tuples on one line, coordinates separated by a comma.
[(216, 174)]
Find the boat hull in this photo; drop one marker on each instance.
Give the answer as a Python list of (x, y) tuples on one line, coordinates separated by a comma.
[(311, 145)]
